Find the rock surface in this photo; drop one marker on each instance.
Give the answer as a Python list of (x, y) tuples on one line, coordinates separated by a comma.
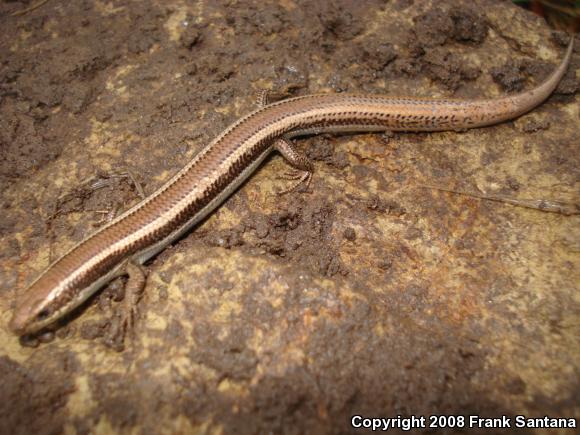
[(406, 282)]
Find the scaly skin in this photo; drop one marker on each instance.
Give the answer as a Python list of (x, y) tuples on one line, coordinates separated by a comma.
[(215, 172)]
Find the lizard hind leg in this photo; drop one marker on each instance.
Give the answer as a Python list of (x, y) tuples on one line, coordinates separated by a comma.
[(302, 165)]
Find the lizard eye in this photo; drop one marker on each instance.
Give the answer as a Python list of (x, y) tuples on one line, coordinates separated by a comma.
[(43, 314)]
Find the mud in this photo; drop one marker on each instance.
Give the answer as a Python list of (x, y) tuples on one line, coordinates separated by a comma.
[(374, 292)]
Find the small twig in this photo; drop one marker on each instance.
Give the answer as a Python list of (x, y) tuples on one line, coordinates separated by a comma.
[(546, 205), (29, 9), (572, 11), (128, 174)]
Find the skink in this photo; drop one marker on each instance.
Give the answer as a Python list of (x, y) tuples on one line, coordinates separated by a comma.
[(218, 169)]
